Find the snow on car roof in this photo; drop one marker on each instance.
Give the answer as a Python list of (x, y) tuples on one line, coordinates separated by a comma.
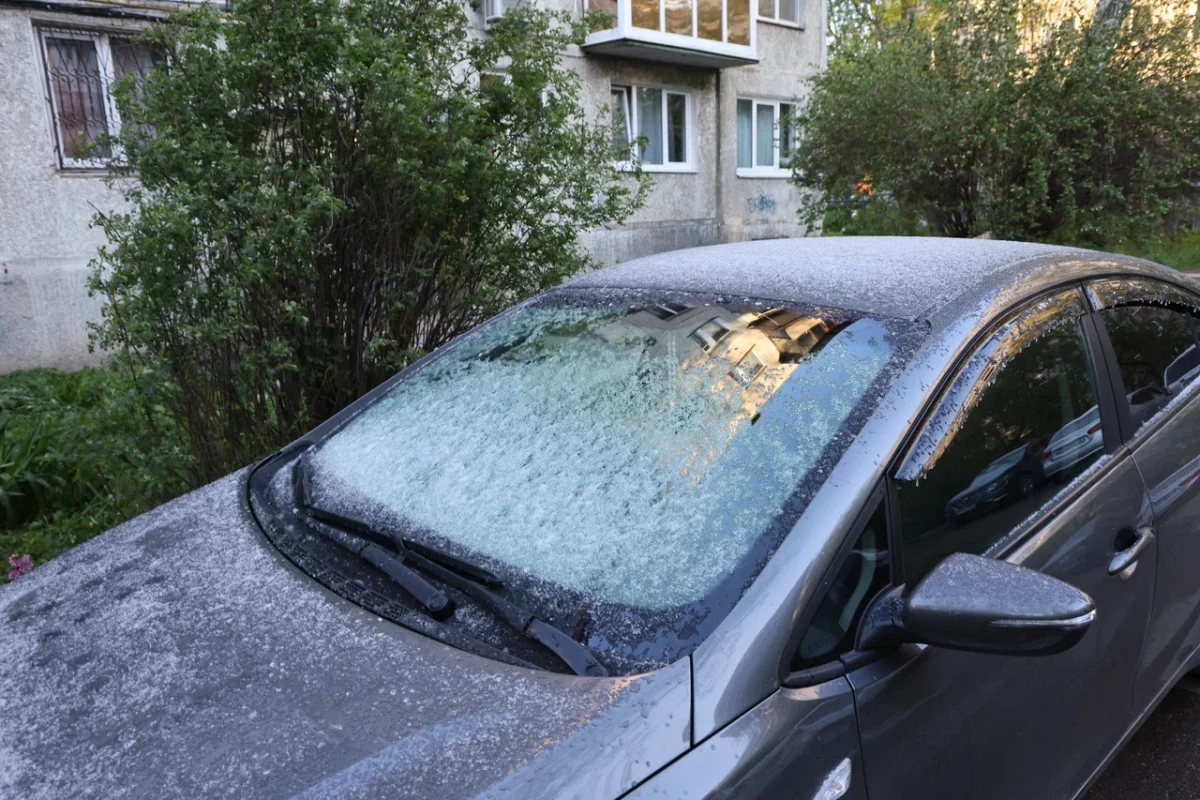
[(906, 277)]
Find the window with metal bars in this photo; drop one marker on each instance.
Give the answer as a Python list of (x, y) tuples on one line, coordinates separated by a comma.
[(81, 68)]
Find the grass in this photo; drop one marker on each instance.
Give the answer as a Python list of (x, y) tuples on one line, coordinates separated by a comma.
[(78, 455), (1182, 253)]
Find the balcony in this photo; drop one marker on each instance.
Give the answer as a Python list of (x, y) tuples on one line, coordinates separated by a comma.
[(697, 33)]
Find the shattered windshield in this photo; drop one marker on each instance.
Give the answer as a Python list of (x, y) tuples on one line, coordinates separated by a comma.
[(629, 454)]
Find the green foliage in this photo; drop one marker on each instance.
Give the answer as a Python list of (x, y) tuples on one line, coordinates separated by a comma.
[(327, 190), (992, 119), (21, 486), (77, 456), (855, 23), (1181, 252)]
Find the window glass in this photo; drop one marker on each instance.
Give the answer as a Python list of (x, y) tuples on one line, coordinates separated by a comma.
[(708, 20), (650, 124), (738, 19), (620, 118), (764, 136), (1158, 354), (130, 57), (77, 88), (863, 575), (788, 10), (679, 17), (676, 128), (745, 130), (608, 7), (787, 135), (766, 133), (645, 14), (657, 457), (766, 9), (134, 58), (1018, 422), (492, 81)]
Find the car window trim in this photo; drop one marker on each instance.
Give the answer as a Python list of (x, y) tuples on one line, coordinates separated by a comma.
[(1006, 544), (947, 379), (1116, 382), (1102, 375), (1119, 394), (833, 668)]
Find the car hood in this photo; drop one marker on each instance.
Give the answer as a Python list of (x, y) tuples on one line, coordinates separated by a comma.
[(180, 655)]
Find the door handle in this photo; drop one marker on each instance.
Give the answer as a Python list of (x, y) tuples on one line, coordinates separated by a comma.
[(1128, 557)]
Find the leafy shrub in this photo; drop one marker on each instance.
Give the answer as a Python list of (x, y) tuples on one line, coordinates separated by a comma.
[(1181, 252), (994, 119), (78, 455), (21, 486), (326, 190)]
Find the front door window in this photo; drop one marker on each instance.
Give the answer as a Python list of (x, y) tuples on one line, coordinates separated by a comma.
[(1019, 422)]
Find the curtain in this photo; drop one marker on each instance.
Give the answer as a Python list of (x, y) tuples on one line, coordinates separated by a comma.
[(745, 131), (78, 95), (650, 124)]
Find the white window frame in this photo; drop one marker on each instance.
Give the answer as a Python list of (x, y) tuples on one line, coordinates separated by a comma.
[(493, 10), (775, 170), (624, 30), (775, 20), (104, 62), (503, 76), (629, 104)]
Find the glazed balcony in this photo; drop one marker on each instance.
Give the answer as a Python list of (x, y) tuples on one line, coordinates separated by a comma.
[(698, 33)]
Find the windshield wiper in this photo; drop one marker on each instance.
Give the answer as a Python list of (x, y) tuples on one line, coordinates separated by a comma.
[(363, 541), (466, 568), (302, 482), (471, 580), (578, 657)]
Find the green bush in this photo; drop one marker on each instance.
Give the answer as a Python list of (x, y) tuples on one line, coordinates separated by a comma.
[(990, 118), (1180, 252), (78, 455), (326, 190)]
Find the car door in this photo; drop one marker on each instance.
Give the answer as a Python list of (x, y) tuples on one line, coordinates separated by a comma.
[(802, 741), (947, 724), (1152, 332)]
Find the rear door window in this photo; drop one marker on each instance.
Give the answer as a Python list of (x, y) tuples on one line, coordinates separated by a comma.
[(1019, 421), (1157, 352)]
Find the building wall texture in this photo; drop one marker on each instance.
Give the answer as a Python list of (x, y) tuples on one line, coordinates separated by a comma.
[(713, 204), (47, 240)]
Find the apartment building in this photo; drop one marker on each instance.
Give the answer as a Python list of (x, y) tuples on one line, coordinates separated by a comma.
[(707, 84)]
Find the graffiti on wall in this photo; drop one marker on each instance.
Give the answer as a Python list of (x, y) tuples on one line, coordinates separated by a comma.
[(761, 204)]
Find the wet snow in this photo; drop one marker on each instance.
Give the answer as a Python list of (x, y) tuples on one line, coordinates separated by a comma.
[(598, 465), (893, 276), (179, 655)]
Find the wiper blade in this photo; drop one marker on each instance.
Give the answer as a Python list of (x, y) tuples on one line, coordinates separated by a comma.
[(578, 657), (460, 565), (303, 488), (364, 541), (471, 580)]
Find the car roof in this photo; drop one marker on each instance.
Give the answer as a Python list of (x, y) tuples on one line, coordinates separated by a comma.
[(907, 277)]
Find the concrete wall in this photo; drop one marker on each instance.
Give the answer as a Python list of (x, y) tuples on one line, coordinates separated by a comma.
[(46, 239), (681, 209), (713, 204), (765, 208)]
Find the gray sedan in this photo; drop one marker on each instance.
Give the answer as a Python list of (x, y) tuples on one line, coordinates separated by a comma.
[(675, 529)]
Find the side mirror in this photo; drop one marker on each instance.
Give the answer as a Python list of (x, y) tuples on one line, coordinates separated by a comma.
[(981, 605)]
